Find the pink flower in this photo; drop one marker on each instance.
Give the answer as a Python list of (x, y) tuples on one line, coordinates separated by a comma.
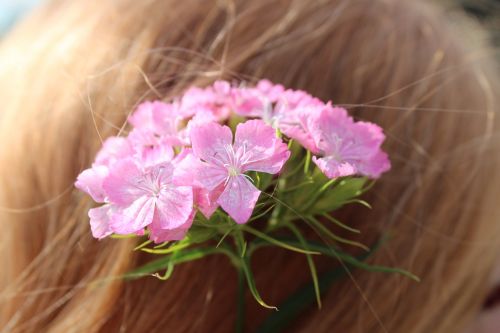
[(159, 120), (224, 164), (147, 198), (90, 180), (347, 148), (297, 125), (272, 91), (113, 149), (150, 148), (213, 100)]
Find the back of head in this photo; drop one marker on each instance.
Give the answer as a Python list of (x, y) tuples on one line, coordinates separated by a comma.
[(73, 71)]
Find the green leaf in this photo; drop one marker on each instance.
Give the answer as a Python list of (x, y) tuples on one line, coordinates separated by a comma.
[(200, 234), (240, 302), (224, 237), (143, 244), (275, 241), (304, 297), (307, 162), (245, 266), (310, 262), (298, 302), (168, 272), (346, 258), (175, 247), (180, 257), (307, 182), (340, 224), (116, 236), (162, 245), (321, 229), (264, 213), (346, 190)]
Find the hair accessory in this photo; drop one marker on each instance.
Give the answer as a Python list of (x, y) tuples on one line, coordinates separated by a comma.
[(227, 170)]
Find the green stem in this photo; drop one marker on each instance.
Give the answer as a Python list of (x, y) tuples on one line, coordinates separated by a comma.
[(240, 301)]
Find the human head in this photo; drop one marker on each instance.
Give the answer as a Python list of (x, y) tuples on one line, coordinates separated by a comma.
[(73, 71)]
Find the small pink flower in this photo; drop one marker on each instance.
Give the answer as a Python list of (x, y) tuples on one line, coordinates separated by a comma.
[(90, 180), (113, 149), (272, 91), (298, 123), (212, 100), (347, 148), (160, 120), (150, 148), (147, 197), (224, 164)]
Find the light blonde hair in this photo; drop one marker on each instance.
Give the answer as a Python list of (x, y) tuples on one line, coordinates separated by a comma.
[(73, 71)]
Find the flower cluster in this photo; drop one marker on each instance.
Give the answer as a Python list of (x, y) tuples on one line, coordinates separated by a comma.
[(180, 158)]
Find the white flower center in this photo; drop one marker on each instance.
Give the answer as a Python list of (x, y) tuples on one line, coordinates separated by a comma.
[(232, 171)]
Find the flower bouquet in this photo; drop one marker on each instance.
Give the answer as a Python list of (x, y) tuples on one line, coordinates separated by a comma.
[(229, 169)]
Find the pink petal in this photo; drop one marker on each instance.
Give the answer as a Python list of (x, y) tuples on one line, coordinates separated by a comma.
[(333, 168), (222, 88), (264, 152), (113, 149), (299, 98), (186, 169), (191, 171), (156, 116), (274, 163), (99, 221), (135, 217), (159, 235), (211, 176), (90, 181), (202, 116), (367, 139), (143, 116), (161, 174), (154, 155), (298, 126), (173, 207), (150, 148), (123, 183), (206, 201), (331, 128), (250, 102), (375, 166), (255, 135), (157, 155), (210, 142), (272, 91), (239, 199), (195, 97)]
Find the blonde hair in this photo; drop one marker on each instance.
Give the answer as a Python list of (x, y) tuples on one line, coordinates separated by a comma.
[(74, 70)]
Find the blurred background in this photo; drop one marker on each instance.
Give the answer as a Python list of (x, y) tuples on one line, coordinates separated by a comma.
[(486, 11)]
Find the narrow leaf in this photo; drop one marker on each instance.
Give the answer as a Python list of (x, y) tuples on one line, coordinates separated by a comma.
[(310, 262), (327, 233), (275, 241), (245, 265), (340, 224)]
